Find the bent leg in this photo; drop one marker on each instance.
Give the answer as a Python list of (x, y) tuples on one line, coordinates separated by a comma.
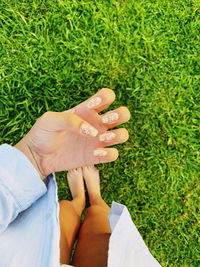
[(70, 214), (92, 247), (69, 226), (93, 241)]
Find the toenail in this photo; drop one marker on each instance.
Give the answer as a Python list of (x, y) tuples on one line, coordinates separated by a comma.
[(88, 130), (94, 102), (100, 153), (110, 118), (107, 136)]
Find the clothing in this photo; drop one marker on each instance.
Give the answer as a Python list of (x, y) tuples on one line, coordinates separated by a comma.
[(29, 224), (126, 246)]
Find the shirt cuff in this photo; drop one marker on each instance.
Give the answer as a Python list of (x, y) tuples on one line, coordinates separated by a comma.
[(19, 177)]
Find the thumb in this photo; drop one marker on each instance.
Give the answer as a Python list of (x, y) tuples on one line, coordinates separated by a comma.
[(60, 121)]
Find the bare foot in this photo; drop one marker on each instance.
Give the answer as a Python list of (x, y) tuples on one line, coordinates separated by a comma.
[(92, 180), (76, 185)]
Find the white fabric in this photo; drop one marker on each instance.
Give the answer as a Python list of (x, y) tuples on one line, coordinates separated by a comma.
[(126, 246), (29, 224)]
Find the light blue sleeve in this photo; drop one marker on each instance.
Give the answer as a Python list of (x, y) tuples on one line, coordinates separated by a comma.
[(20, 184)]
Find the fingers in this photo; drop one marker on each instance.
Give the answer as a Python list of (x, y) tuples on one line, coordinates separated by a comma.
[(115, 117), (59, 121), (114, 137), (101, 100), (102, 155)]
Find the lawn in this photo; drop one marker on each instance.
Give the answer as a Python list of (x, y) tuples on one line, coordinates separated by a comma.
[(55, 54)]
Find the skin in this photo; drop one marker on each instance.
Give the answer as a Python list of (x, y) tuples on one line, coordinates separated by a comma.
[(56, 142)]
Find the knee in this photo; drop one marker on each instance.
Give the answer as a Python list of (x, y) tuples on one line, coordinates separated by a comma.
[(66, 208), (64, 203), (96, 209)]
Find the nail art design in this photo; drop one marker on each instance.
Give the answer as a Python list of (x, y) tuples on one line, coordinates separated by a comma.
[(100, 153), (110, 117), (87, 129), (94, 102), (107, 136)]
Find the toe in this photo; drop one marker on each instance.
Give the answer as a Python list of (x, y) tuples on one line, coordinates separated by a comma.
[(84, 169), (94, 168), (69, 172)]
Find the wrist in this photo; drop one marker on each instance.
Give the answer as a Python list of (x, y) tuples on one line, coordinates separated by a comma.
[(23, 146)]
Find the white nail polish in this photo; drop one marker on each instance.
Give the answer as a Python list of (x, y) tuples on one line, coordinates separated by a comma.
[(99, 153), (110, 118), (94, 102), (105, 119), (107, 136), (102, 137), (87, 129)]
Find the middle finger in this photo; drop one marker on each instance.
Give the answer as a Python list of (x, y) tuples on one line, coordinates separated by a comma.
[(115, 117)]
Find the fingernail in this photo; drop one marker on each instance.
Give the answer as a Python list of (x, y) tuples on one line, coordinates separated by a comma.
[(111, 117), (100, 153), (87, 129), (107, 136), (94, 102)]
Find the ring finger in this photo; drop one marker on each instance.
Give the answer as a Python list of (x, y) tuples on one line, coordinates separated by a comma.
[(115, 117), (113, 137)]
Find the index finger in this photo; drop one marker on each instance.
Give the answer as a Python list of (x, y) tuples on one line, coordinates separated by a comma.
[(101, 100)]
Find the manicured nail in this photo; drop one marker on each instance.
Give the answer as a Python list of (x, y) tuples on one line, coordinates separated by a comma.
[(94, 102), (100, 153), (87, 129), (110, 117), (107, 136)]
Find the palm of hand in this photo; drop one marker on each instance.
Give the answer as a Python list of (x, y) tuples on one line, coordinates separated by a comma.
[(58, 150)]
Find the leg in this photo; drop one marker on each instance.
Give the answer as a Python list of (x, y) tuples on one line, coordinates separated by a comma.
[(92, 247), (70, 214)]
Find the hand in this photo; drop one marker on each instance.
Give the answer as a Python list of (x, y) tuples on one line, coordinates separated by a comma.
[(61, 141)]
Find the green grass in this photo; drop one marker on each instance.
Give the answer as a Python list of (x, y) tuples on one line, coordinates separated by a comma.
[(55, 54)]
